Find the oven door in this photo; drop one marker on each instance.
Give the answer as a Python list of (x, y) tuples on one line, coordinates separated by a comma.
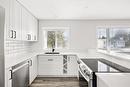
[(84, 81)]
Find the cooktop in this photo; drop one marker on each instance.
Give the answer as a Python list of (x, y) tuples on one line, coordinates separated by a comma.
[(104, 66)]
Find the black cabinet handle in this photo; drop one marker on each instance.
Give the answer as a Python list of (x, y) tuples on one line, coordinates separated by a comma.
[(11, 33), (11, 72), (14, 34)]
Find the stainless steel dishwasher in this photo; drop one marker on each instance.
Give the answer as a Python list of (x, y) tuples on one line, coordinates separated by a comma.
[(20, 74)]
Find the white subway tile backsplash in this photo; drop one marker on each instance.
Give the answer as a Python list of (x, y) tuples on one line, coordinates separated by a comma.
[(17, 47)]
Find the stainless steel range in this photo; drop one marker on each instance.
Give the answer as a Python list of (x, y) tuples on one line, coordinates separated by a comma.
[(86, 77), (89, 67)]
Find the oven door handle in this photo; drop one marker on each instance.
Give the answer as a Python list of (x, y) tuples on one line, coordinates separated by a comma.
[(84, 76)]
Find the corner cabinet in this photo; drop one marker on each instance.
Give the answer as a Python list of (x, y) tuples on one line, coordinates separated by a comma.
[(22, 24)]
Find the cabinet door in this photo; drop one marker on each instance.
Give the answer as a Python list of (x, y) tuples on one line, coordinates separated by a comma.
[(50, 65), (35, 29), (25, 26), (33, 69), (72, 65), (11, 19), (14, 29), (17, 21)]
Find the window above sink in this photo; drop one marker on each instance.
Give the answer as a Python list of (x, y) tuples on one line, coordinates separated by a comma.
[(56, 37)]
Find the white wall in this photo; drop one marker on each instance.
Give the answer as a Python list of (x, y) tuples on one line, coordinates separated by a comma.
[(83, 32)]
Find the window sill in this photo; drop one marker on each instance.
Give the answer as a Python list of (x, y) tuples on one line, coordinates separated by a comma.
[(115, 54)]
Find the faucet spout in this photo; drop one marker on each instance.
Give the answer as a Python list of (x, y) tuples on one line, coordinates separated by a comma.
[(53, 50)]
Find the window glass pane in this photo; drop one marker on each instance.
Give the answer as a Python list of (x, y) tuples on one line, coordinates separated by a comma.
[(62, 39), (119, 38), (102, 38), (51, 39)]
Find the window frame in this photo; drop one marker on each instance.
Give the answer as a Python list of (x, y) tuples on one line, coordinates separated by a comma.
[(45, 29), (108, 48)]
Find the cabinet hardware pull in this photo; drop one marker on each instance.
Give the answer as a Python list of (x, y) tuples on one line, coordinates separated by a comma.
[(11, 34), (27, 36), (30, 63), (11, 73), (50, 59), (14, 34), (30, 36)]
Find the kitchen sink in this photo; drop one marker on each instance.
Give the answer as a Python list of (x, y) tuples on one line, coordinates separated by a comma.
[(52, 53)]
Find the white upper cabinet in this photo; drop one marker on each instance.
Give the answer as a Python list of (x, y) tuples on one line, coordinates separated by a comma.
[(25, 26), (17, 21), (35, 27), (22, 24), (29, 26), (14, 31)]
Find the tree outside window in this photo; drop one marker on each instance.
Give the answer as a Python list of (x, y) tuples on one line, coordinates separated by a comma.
[(56, 38)]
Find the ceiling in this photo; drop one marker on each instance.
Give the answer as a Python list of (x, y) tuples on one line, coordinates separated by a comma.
[(78, 9)]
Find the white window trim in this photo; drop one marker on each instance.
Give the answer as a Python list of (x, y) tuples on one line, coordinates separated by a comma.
[(55, 29), (108, 28)]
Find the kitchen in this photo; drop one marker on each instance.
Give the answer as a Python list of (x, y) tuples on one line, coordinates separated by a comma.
[(51, 43)]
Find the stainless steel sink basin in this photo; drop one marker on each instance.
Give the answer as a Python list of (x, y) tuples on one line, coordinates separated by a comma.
[(52, 53)]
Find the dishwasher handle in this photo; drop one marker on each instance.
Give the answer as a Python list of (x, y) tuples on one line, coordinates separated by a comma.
[(11, 74), (19, 67)]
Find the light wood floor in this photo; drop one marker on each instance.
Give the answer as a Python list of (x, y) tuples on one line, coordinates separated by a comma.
[(55, 82)]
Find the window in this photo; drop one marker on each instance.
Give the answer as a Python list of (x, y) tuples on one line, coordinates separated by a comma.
[(113, 38), (119, 38), (57, 38), (102, 38)]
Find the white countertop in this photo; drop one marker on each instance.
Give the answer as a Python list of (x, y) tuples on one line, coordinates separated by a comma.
[(123, 56), (11, 60)]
